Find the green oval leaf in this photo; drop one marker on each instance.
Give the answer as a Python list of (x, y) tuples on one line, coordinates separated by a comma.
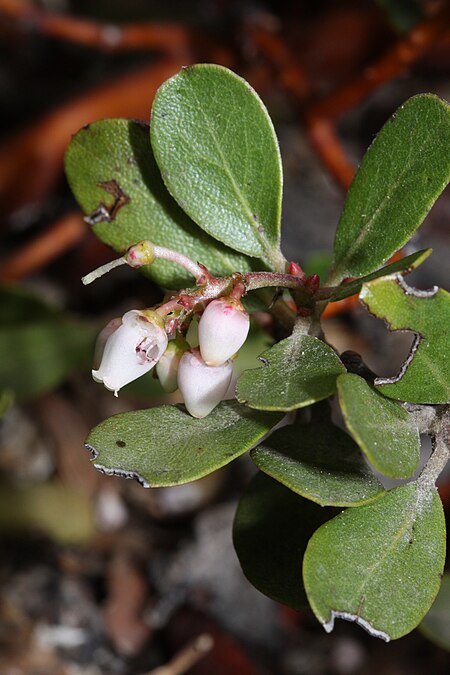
[(402, 174), (270, 533), (379, 564), (425, 375), (436, 624), (165, 446), (296, 372), (113, 175), (319, 462), (218, 154), (384, 431)]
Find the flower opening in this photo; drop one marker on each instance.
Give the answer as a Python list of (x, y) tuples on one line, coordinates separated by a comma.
[(132, 349)]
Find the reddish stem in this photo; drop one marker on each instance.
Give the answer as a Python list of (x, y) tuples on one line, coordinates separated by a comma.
[(165, 37)]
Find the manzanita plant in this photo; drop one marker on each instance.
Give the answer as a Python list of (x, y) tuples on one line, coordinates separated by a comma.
[(195, 202)]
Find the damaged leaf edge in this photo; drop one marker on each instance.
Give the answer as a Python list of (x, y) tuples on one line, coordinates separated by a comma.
[(408, 290), (405, 365), (346, 616), (120, 473)]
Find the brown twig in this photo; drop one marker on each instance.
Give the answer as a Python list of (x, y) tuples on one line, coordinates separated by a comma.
[(45, 247), (444, 492), (127, 596), (321, 116), (31, 162), (187, 657), (169, 38), (296, 82)]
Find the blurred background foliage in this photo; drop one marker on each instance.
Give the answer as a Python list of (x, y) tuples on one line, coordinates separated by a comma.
[(98, 575)]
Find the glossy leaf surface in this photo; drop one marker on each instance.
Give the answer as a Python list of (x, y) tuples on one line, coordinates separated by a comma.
[(218, 154), (402, 174)]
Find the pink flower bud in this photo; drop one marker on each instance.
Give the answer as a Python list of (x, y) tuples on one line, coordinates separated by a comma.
[(140, 254), (167, 366), (132, 349), (222, 330), (202, 386)]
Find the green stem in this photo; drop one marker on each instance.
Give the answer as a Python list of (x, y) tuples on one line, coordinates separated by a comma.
[(277, 259), (441, 451), (335, 277)]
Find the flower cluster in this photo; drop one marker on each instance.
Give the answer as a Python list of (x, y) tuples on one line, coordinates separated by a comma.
[(133, 345)]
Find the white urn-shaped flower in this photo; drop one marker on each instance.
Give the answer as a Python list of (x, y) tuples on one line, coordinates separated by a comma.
[(168, 364), (132, 349), (202, 386)]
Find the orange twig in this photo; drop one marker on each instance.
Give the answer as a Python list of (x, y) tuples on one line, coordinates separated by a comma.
[(166, 37), (31, 162), (323, 137), (279, 54), (340, 307), (44, 248), (390, 65), (296, 83), (393, 63)]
